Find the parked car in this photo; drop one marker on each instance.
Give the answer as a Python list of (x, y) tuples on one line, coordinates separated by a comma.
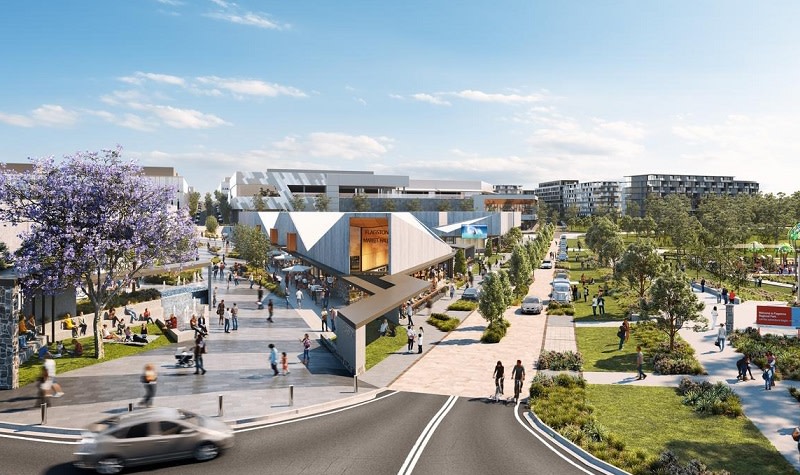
[(547, 264), (532, 305), (470, 294), (149, 436), (561, 274), (562, 292)]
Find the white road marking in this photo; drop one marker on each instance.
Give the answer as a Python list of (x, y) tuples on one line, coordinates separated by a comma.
[(425, 437)]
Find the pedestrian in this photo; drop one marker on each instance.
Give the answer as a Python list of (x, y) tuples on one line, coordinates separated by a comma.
[(743, 365), (725, 295), (429, 306), (594, 305), (285, 363), (621, 336), (518, 373), (235, 317), (769, 371), (384, 327), (601, 305), (214, 300), (270, 310), (499, 376), (640, 363), (306, 348), (287, 300), (332, 319), (714, 315), (702, 285), (149, 379), (627, 327), (236, 279), (260, 297), (410, 335), (420, 335), (230, 278), (410, 313), (199, 351), (252, 280), (452, 291), (227, 318), (721, 334), (299, 297), (585, 293), (273, 359), (324, 317), (221, 310)]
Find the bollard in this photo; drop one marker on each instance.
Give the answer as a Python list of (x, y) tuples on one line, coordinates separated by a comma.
[(291, 395), (130, 407), (219, 414), (355, 383), (44, 413)]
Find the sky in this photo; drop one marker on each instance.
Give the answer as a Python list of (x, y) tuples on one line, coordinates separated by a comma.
[(508, 92)]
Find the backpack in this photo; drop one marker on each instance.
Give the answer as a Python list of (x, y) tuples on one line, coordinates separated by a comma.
[(620, 333), (306, 344)]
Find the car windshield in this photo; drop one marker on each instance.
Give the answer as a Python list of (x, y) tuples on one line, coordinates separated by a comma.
[(561, 288), (104, 424), (190, 417), (530, 300)]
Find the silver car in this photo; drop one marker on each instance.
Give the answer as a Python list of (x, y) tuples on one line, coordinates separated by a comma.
[(150, 436), (532, 305)]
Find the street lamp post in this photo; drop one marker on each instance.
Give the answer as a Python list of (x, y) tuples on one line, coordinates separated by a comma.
[(794, 236)]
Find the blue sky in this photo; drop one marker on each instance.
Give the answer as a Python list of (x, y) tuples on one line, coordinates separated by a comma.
[(511, 92)]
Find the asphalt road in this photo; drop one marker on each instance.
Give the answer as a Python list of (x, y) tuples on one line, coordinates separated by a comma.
[(400, 433)]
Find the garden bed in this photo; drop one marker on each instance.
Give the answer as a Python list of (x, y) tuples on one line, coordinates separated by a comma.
[(785, 348), (443, 322)]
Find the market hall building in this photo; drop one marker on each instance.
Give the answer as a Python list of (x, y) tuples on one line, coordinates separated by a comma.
[(375, 262)]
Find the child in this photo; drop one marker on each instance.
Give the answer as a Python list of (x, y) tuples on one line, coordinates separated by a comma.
[(285, 363)]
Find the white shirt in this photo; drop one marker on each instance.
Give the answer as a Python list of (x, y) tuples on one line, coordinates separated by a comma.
[(50, 366), (299, 295), (721, 333)]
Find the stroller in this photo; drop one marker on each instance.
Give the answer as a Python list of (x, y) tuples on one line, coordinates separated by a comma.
[(184, 358)]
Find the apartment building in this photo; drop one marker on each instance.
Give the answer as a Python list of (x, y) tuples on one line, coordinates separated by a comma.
[(693, 186)]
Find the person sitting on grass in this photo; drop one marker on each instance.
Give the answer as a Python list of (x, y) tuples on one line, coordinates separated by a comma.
[(107, 335), (77, 350), (143, 330)]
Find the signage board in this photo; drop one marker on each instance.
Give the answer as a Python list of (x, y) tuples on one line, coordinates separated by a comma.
[(474, 231), (777, 316)]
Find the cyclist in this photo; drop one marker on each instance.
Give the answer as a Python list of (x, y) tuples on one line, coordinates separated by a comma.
[(518, 373), (499, 373)]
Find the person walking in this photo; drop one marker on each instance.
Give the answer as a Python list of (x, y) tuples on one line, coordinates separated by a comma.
[(287, 300), (299, 296), (285, 363), (721, 334), (640, 363), (306, 348), (260, 297), (452, 291), (227, 317), (324, 317), (702, 285), (273, 359), (769, 373), (410, 335), (627, 327), (420, 335), (601, 305), (594, 305), (410, 313), (714, 315), (252, 281), (585, 293), (235, 317), (230, 279), (199, 351), (221, 310), (621, 336), (332, 318), (743, 365), (149, 379), (214, 299), (270, 310)]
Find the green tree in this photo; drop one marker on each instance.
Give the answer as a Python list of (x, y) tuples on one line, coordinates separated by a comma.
[(413, 205), (224, 206), (443, 205), (492, 301), (626, 223), (724, 224), (603, 239), (251, 244), (505, 286), (640, 265), (512, 238), (489, 248), (571, 216), (209, 204), (6, 260), (211, 224), (461, 263), (467, 204), (258, 202), (772, 215), (360, 202), (389, 205), (674, 304), (298, 203), (321, 202), (193, 198), (519, 271)]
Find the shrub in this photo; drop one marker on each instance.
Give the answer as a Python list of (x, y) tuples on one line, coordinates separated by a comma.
[(495, 331), (440, 316), (668, 464), (559, 361), (716, 399), (680, 360), (785, 348), (795, 393), (170, 278), (144, 295), (463, 306), (445, 324)]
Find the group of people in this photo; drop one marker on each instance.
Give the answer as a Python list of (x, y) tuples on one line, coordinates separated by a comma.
[(598, 304), (517, 373), (228, 316), (413, 337)]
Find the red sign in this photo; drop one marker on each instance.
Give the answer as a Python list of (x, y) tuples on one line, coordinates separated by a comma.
[(769, 315)]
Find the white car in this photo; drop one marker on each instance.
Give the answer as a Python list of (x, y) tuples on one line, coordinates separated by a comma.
[(547, 264)]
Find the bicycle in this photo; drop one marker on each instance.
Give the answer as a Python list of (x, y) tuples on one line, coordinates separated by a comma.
[(517, 389), (498, 390)]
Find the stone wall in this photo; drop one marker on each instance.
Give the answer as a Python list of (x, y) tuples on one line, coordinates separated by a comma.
[(9, 332)]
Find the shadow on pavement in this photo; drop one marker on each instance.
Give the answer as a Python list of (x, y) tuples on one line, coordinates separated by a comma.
[(459, 342)]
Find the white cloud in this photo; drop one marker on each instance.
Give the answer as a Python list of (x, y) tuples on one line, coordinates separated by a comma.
[(172, 3), (480, 96), (334, 145), (140, 78), (360, 100), (397, 96), (181, 118), (46, 115), (249, 19), (250, 87), (422, 97)]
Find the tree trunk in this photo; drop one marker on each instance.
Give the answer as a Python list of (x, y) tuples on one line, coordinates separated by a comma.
[(99, 351)]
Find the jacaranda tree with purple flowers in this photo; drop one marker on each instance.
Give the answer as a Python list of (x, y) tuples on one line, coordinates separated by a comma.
[(94, 220)]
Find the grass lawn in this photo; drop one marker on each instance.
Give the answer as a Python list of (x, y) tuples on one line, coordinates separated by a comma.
[(384, 346), (30, 370), (653, 419), (599, 347)]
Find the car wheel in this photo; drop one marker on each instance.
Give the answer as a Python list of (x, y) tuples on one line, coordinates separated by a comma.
[(109, 465), (206, 451)]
